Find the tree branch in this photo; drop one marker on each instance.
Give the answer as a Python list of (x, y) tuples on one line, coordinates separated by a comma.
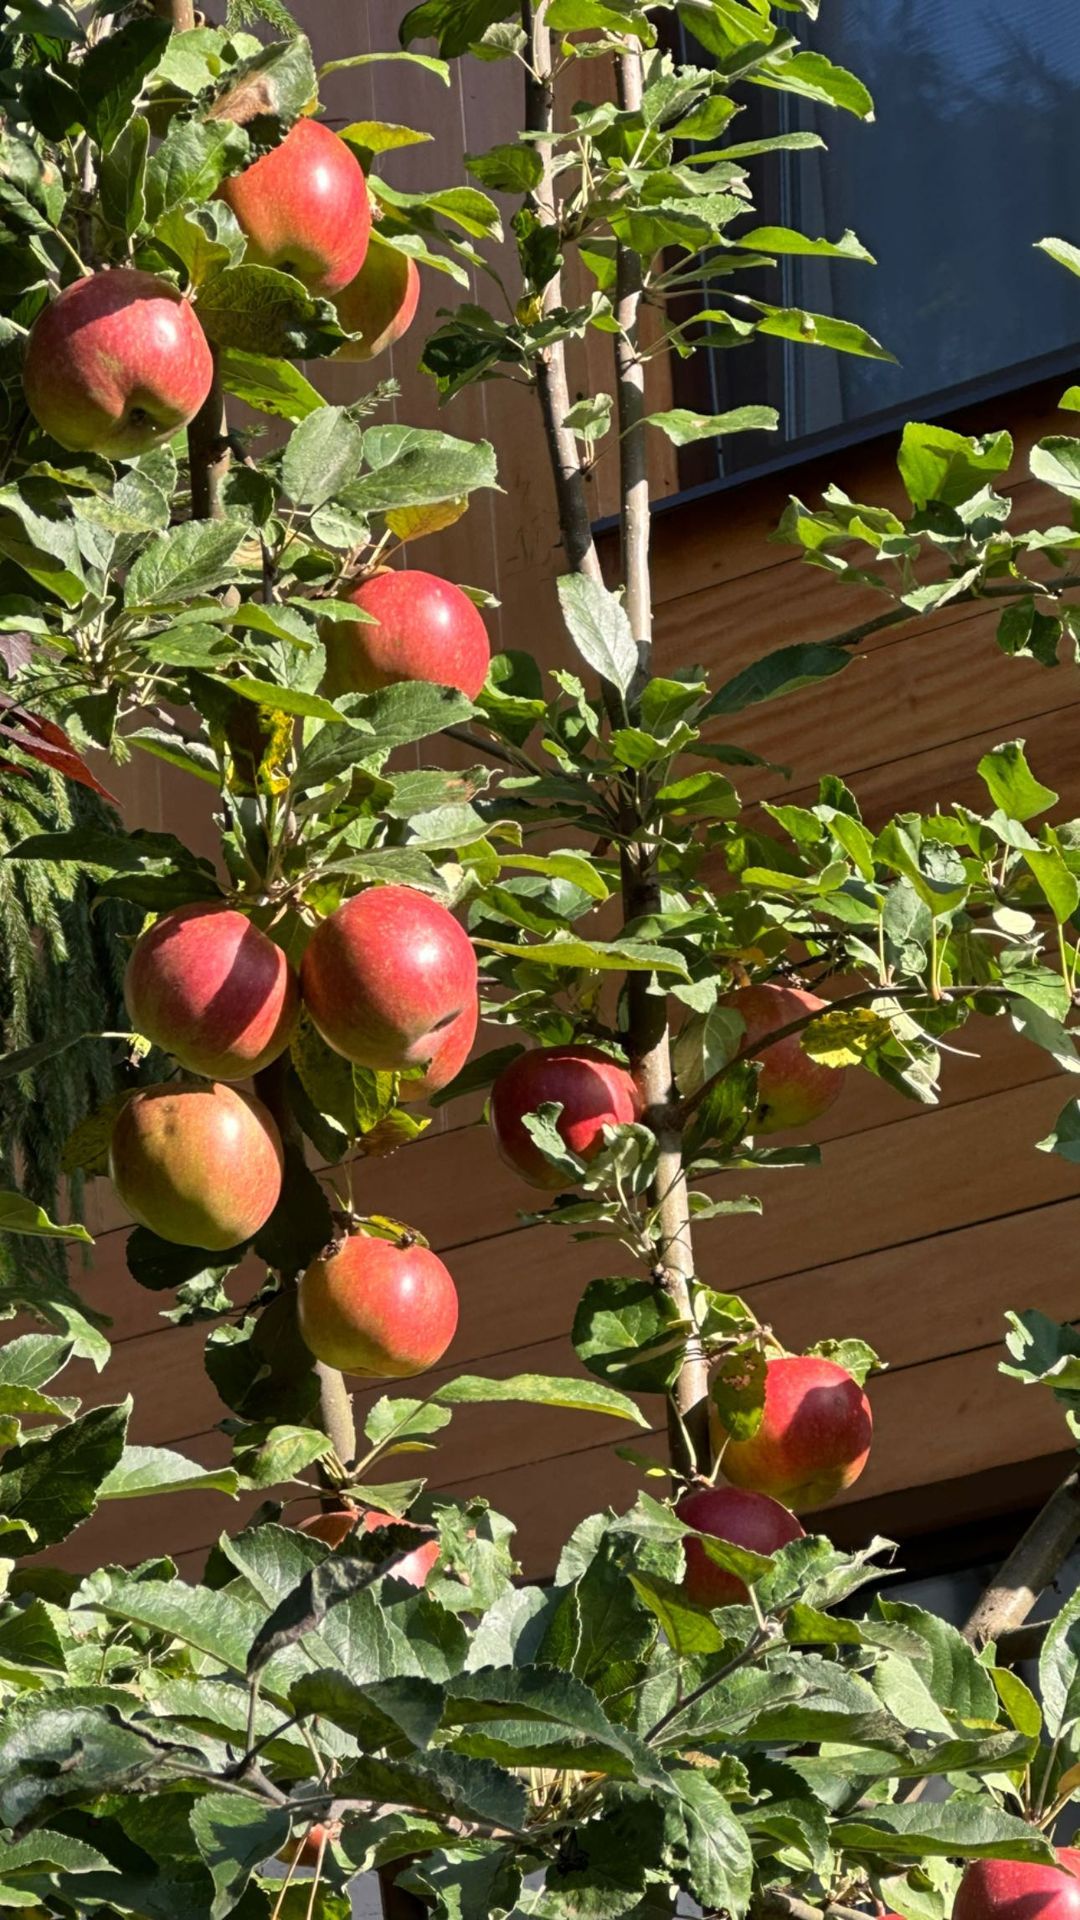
[(1033, 1564), (775, 1905), (208, 452), (648, 1036), (553, 389)]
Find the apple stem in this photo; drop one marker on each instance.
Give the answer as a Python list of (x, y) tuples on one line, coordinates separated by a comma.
[(647, 1038)]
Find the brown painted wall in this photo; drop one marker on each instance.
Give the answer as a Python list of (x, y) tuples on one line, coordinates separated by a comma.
[(923, 1225)]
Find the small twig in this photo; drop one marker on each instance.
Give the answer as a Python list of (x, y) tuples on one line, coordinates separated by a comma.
[(760, 1642)]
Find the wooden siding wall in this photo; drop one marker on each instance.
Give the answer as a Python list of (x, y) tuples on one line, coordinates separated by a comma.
[(922, 1226)]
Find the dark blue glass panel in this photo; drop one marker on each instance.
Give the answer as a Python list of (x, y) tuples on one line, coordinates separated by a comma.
[(973, 156)]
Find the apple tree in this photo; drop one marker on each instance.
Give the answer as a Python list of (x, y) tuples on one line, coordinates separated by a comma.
[(692, 1710)]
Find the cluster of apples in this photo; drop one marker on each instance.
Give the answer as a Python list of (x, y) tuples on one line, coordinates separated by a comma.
[(390, 982), (118, 362), (814, 1437)]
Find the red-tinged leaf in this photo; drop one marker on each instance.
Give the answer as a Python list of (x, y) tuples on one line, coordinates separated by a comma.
[(43, 740), (16, 652)]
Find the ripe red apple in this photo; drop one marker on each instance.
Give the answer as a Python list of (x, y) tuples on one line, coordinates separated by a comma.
[(421, 628), (304, 208), (792, 1088), (115, 364), (1018, 1890), (368, 1306), (814, 1437), (210, 988), (452, 1047), (386, 976), (743, 1519), (199, 1165), (333, 1528), (380, 304), (310, 1847), (593, 1090)]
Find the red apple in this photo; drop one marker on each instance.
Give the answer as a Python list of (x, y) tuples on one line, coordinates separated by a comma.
[(744, 1520), (310, 1848), (115, 364), (792, 1088), (199, 1165), (814, 1437), (421, 628), (452, 1047), (333, 1528), (206, 985), (304, 208), (380, 304), (386, 977), (593, 1090), (368, 1306), (1018, 1890)]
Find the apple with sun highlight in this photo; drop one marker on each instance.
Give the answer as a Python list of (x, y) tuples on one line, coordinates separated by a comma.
[(371, 1306), (593, 1090), (116, 364), (416, 627), (386, 977), (304, 208), (212, 990), (200, 1165), (814, 1437), (380, 304)]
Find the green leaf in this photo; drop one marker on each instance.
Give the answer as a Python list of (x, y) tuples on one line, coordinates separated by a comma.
[(786, 240), (507, 169), (819, 330), (1064, 1139), (786, 671), (682, 426), (1011, 783), (21, 1215), (1063, 252), (618, 956), (540, 1390), (325, 450), (49, 1486), (415, 466), (392, 1422), (629, 1331), (974, 1829), (266, 1456), (69, 1745), (378, 1712), (269, 385), (189, 165), (815, 78), (937, 464), (191, 558), (709, 1842), (113, 73), (279, 699), (599, 627), (158, 1470), (121, 175), (1056, 461), (1059, 1670), (261, 311), (234, 1836)]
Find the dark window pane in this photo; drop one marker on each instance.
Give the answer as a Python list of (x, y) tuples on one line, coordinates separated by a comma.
[(973, 157)]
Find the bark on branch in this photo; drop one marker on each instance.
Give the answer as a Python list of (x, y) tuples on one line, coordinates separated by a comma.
[(1031, 1567)]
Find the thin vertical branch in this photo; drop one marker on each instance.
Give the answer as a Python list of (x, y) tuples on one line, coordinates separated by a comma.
[(648, 1029), (553, 388), (208, 452), (649, 1035)]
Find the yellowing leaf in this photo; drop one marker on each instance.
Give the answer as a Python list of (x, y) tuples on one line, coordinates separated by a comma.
[(411, 523), (844, 1038)]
